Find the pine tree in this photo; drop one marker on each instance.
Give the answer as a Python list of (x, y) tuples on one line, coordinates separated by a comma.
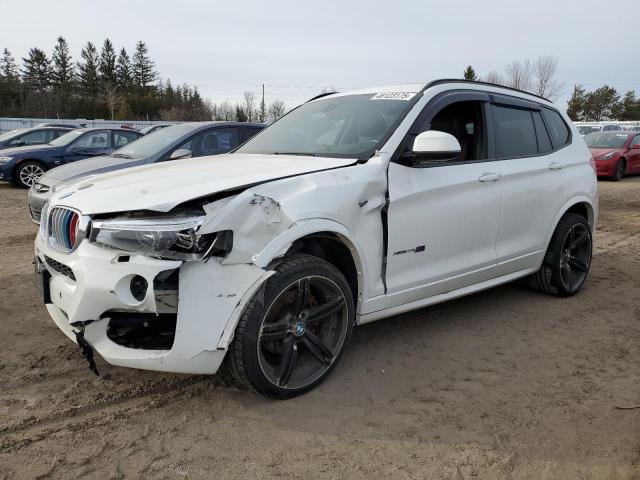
[(575, 105), (123, 71), (142, 68), (107, 65), (36, 72), (88, 75), (63, 70), (8, 67), (470, 74), (630, 106)]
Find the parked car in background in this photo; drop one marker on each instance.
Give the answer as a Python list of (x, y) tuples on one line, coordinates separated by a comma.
[(72, 126), (151, 129), (587, 129), (30, 136), (615, 153), (24, 165), (184, 140), (351, 208)]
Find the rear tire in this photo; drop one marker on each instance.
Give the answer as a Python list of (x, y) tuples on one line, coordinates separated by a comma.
[(618, 171), (566, 264), (294, 330), (28, 173)]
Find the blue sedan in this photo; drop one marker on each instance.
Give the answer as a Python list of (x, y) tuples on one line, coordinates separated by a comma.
[(24, 165)]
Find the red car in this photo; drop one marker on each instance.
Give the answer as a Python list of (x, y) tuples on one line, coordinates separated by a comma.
[(615, 153)]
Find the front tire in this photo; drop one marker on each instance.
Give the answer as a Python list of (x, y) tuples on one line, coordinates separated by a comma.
[(294, 330), (618, 171), (566, 264), (28, 173)]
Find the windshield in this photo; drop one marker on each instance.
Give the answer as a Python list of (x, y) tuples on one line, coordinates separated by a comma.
[(606, 140), (149, 145), (11, 133), (67, 138), (585, 130), (344, 126)]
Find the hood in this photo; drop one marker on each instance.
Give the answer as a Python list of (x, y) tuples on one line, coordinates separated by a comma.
[(29, 149), (162, 186), (596, 152), (89, 166)]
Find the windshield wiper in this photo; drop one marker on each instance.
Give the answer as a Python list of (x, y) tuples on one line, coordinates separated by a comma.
[(300, 154), (122, 155)]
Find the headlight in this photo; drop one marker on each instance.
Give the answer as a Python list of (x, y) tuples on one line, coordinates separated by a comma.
[(606, 156), (4, 160), (41, 188), (174, 238)]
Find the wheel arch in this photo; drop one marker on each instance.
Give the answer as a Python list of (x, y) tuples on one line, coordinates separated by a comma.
[(325, 239), (579, 205)]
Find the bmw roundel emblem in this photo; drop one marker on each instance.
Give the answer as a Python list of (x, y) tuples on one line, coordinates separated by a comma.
[(299, 329)]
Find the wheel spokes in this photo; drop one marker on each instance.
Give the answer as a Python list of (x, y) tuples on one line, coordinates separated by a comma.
[(288, 360), (302, 295), (579, 240), (320, 312), (318, 348), (578, 264), (274, 331)]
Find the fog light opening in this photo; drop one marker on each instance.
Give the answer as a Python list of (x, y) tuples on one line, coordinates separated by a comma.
[(138, 287)]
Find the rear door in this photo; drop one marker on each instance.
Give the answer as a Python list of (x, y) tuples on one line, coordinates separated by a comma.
[(529, 143)]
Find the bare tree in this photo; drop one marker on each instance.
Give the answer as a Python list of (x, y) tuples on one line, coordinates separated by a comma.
[(249, 105), (112, 99), (276, 110), (494, 77), (544, 82), (519, 74), (226, 111)]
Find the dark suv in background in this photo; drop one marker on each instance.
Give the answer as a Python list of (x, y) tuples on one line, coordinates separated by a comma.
[(24, 165), (174, 142)]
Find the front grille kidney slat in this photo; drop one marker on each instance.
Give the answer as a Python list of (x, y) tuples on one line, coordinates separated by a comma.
[(60, 221)]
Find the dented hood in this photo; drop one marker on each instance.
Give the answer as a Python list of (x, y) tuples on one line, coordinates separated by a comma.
[(162, 186)]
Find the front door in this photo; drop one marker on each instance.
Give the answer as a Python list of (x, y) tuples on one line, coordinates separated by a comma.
[(443, 218), (91, 144)]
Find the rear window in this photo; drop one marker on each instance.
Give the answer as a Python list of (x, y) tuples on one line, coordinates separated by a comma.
[(560, 133), (515, 132)]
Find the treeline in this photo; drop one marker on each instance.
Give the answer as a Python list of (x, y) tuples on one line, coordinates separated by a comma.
[(604, 103), (535, 76), (109, 84)]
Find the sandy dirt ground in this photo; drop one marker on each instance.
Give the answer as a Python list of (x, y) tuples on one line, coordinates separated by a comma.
[(503, 384)]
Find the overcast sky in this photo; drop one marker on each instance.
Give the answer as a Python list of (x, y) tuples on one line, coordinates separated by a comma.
[(298, 47)]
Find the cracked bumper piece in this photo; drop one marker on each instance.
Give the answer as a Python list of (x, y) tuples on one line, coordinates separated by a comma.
[(94, 286)]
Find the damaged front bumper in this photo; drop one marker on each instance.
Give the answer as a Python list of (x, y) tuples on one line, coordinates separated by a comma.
[(148, 313)]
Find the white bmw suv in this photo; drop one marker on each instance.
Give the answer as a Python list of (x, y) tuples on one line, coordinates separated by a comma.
[(351, 208)]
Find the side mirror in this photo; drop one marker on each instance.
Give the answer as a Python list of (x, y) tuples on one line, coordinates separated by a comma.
[(180, 153), (435, 145)]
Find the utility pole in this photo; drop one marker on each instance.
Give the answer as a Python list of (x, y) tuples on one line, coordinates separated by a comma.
[(263, 107)]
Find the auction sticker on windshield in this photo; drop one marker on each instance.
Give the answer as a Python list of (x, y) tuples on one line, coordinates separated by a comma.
[(393, 96)]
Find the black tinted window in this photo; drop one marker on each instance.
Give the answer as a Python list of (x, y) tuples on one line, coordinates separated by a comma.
[(559, 131), (514, 131), (544, 142)]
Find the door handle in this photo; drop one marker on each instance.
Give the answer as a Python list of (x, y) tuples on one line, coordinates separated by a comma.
[(489, 177), (555, 166)]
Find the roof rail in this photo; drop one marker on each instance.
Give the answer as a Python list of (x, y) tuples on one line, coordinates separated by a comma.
[(320, 96), (433, 83)]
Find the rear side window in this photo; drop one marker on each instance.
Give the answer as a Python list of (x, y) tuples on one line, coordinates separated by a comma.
[(122, 138), (514, 132), (560, 133), (544, 142)]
